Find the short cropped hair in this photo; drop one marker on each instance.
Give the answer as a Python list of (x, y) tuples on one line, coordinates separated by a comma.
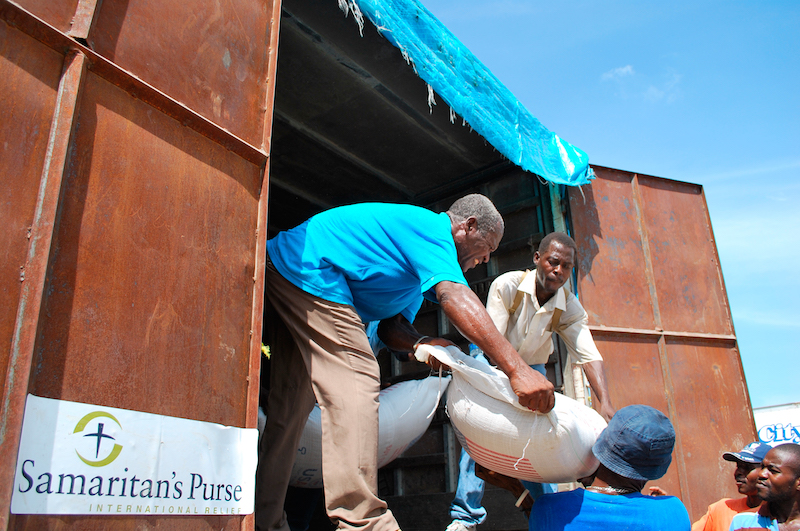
[(792, 450), (558, 237), (480, 206)]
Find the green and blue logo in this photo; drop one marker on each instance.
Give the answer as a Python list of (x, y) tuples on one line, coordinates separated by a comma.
[(101, 436)]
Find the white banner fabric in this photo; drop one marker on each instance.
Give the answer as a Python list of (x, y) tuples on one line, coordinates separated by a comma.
[(79, 458)]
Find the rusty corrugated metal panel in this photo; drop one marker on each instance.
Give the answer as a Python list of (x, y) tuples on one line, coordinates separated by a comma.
[(157, 218), (146, 263), (650, 279), (56, 13), (29, 75), (211, 56), (147, 286), (611, 248), (633, 370), (713, 410), (686, 270), (32, 292)]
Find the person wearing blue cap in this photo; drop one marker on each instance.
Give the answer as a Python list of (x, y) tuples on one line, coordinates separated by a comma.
[(779, 486), (748, 463), (635, 448)]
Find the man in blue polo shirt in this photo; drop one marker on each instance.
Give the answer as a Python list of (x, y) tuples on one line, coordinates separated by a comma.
[(325, 279)]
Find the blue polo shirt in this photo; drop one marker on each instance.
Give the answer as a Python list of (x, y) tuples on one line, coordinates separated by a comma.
[(583, 510), (753, 520), (380, 258)]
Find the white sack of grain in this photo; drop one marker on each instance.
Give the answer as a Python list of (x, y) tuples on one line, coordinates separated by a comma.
[(405, 412), (505, 437)]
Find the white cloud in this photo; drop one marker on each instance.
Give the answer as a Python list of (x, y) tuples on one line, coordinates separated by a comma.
[(760, 228), (618, 73), (668, 91), (653, 94), (629, 83)]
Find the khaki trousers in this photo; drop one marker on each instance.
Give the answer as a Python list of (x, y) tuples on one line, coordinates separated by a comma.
[(319, 349)]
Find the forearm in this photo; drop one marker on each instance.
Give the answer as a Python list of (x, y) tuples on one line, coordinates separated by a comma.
[(398, 334), (595, 374), (466, 312), (463, 308)]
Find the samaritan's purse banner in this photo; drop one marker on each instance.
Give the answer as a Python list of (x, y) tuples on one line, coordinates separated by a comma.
[(83, 459)]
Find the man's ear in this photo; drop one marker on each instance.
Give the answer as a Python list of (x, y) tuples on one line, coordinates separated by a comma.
[(471, 224), (536, 257)]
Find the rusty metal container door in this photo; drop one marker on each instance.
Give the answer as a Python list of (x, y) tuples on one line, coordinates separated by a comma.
[(650, 279), (135, 142)]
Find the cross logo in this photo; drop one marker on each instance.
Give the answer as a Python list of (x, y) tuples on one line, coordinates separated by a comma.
[(101, 436)]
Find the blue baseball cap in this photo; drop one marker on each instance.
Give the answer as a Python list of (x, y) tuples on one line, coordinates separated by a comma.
[(752, 453), (637, 443)]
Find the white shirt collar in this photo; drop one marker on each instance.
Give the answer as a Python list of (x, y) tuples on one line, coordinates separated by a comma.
[(557, 301)]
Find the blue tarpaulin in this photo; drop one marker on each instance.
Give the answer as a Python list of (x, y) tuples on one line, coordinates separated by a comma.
[(472, 91)]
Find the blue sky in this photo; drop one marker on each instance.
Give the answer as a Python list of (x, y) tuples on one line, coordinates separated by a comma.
[(701, 91)]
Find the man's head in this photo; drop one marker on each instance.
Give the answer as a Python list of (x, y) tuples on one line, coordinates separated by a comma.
[(779, 478), (748, 465), (637, 444), (477, 229), (554, 261)]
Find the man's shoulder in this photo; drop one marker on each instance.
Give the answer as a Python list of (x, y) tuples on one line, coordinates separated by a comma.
[(666, 509), (752, 520), (658, 505), (564, 494), (744, 520), (509, 279), (572, 300), (618, 508), (738, 505), (573, 308), (547, 502), (511, 276), (382, 212), (414, 229)]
